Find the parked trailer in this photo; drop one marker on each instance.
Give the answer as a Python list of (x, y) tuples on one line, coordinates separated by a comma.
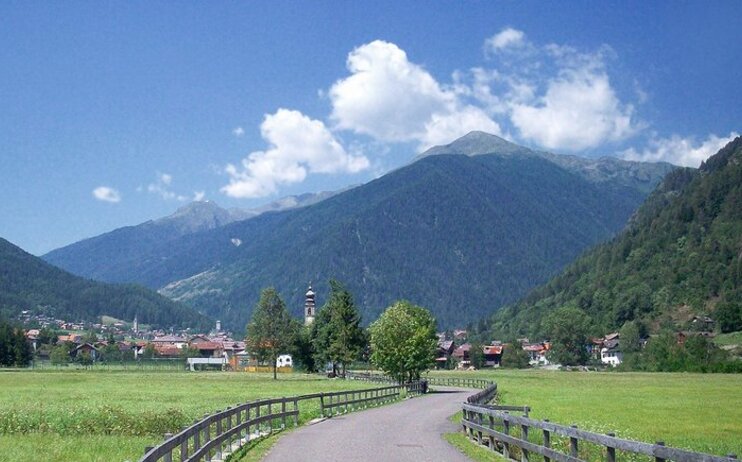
[(216, 361)]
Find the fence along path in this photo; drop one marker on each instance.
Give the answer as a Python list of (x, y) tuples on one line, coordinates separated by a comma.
[(217, 435), (520, 437)]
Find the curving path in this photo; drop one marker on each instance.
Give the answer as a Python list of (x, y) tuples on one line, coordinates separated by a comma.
[(407, 431)]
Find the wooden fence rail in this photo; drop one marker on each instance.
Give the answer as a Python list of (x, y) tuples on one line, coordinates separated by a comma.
[(214, 436), (513, 435)]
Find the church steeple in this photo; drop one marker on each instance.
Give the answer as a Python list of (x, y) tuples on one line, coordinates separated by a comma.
[(309, 307)]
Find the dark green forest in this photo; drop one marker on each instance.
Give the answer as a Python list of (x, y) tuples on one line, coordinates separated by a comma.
[(29, 283), (680, 255)]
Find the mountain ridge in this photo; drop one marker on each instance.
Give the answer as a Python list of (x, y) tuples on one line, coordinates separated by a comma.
[(459, 234), (29, 283)]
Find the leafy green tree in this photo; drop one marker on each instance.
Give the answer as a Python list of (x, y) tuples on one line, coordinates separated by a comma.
[(630, 338), (476, 355), (729, 316), (271, 331), (188, 352), (303, 349), (568, 328), (514, 356), (403, 341), (60, 354), (149, 351)]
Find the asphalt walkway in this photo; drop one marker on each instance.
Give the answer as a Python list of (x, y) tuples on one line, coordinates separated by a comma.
[(407, 431)]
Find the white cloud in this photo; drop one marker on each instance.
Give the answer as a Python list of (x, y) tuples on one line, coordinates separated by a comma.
[(579, 110), (508, 37), (106, 194), (198, 196), (554, 95), (298, 146), (238, 131), (162, 188), (394, 100), (677, 150)]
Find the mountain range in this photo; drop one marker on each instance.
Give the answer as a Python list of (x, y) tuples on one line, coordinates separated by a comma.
[(29, 283), (463, 230), (679, 257)]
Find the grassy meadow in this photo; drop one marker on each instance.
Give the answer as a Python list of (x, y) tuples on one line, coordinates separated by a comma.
[(700, 412), (111, 416)]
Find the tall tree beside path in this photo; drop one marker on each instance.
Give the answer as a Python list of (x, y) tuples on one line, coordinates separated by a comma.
[(338, 336), (403, 341), (271, 330)]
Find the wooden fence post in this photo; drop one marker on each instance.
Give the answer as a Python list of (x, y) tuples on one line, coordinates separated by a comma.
[(257, 416), (659, 459), (506, 430), (296, 412), (524, 437), (270, 417), (169, 456), (547, 441), (196, 438), (492, 438), (610, 451), (283, 412), (322, 404), (573, 444)]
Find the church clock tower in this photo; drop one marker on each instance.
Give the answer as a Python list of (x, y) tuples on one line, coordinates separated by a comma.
[(309, 307)]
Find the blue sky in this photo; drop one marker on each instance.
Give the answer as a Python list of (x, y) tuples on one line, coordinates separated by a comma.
[(112, 114)]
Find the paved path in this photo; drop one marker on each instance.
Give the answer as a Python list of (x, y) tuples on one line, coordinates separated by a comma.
[(406, 431)]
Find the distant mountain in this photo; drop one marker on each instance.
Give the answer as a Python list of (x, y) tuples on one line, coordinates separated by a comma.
[(680, 256), (614, 172), (29, 283), (462, 233), (132, 244)]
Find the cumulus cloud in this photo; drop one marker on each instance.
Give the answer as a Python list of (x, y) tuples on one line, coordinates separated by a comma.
[(392, 99), (198, 196), (298, 146), (579, 110), (554, 95), (106, 194), (677, 150), (508, 37), (238, 131), (161, 187)]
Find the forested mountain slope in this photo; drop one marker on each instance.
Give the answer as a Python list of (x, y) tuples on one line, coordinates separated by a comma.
[(681, 255), (461, 233), (29, 283)]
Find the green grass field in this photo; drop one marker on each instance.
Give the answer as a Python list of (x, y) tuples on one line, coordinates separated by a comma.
[(112, 416), (700, 412)]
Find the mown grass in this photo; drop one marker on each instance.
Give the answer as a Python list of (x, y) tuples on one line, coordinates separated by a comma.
[(112, 416), (699, 412)]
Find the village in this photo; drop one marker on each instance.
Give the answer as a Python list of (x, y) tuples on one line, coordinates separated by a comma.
[(120, 342)]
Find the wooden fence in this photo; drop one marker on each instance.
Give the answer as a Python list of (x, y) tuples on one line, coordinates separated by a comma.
[(522, 438), (217, 435)]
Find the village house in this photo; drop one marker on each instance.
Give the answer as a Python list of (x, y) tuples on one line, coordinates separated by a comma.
[(461, 354), (537, 353), (492, 355), (84, 348), (169, 341), (607, 350)]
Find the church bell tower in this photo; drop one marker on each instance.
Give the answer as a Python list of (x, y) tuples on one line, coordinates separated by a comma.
[(309, 308)]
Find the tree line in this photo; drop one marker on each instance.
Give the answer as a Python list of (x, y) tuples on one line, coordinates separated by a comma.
[(402, 341)]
